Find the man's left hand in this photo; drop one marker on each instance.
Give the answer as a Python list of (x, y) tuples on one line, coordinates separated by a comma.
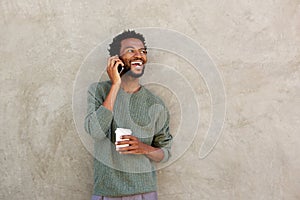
[(135, 145), (138, 147)]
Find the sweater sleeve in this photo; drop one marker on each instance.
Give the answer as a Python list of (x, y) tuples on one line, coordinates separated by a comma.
[(163, 139), (98, 119)]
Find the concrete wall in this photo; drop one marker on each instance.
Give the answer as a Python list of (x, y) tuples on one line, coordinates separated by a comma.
[(255, 44)]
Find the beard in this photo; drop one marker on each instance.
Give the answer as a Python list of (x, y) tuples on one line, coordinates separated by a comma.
[(135, 75), (128, 71)]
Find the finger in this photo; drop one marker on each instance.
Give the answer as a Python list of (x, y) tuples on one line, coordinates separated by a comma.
[(121, 149), (114, 65), (112, 60), (130, 137), (121, 142), (113, 57), (134, 151), (117, 63), (124, 149), (129, 142)]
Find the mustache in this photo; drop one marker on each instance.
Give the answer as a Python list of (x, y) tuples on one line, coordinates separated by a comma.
[(137, 59)]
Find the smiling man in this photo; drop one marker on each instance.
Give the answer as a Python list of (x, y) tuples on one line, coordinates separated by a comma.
[(127, 171)]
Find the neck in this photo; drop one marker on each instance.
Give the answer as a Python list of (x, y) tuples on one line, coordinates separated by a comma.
[(130, 84)]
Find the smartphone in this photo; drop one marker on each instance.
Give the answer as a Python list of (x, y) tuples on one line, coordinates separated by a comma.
[(121, 69)]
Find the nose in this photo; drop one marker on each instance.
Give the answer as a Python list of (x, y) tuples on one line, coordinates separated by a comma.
[(138, 54)]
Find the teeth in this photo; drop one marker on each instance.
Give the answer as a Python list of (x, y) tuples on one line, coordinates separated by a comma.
[(136, 62)]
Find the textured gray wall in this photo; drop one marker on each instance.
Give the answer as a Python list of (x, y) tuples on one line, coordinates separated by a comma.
[(255, 44)]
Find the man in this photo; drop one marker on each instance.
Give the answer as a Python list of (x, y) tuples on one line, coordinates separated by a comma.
[(127, 172)]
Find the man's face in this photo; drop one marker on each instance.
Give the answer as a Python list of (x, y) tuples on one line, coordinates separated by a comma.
[(134, 56)]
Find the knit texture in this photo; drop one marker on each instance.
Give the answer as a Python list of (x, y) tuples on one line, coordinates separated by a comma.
[(146, 115)]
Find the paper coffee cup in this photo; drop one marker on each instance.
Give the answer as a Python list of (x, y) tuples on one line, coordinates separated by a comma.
[(119, 132)]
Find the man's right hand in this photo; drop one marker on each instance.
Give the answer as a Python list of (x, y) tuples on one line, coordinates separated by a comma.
[(112, 69)]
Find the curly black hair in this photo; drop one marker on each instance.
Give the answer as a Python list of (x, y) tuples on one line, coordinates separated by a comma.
[(115, 46)]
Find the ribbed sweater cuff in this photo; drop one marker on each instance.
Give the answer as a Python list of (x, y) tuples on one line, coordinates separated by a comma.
[(166, 155)]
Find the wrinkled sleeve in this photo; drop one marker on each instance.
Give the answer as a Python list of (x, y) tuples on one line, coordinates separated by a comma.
[(163, 139), (98, 119)]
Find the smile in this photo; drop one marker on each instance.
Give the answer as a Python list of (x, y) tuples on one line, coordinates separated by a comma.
[(137, 64), (140, 63)]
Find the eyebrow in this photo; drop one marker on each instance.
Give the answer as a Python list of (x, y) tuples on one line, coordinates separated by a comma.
[(134, 48)]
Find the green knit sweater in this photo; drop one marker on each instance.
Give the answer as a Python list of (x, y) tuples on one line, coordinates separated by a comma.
[(146, 115)]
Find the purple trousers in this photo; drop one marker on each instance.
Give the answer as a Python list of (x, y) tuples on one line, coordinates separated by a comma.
[(144, 196)]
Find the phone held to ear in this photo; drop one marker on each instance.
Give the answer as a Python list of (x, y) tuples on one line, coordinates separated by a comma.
[(122, 70)]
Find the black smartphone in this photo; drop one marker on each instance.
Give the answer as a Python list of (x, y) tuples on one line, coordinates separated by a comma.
[(121, 69)]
